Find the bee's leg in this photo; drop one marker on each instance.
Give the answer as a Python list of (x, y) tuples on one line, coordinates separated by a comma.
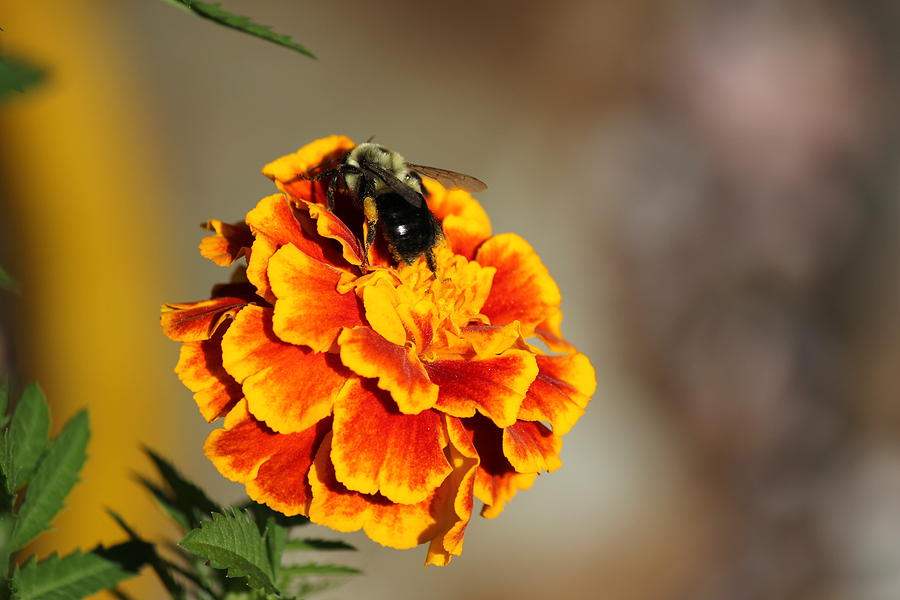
[(430, 260), (371, 213), (330, 194)]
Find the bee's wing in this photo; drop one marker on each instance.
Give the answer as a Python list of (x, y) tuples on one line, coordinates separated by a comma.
[(450, 179), (397, 186)]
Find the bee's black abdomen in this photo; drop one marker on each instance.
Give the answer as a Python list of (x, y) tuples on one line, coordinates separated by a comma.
[(408, 230)]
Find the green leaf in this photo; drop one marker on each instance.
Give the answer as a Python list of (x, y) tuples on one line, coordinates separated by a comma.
[(25, 440), (6, 282), (303, 589), (4, 400), (262, 513), (131, 556), (315, 544), (15, 76), (169, 506), (74, 576), (275, 536), (185, 502), (215, 13), (162, 568), (318, 569), (53, 480), (232, 541)]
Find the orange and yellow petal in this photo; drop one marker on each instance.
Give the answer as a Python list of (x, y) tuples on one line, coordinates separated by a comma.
[(197, 321), (227, 244), (497, 488), (261, 251), (496, 481), (288, 172), (531, 447), (378, 449), (287, 387), (522, 288), (495, 387), (275, 223), (396, 369), (282, 482), (380, 300), (550, 331), (309, 310), (274, 467), (453, 509), (388, 523), (463, 220), (490, 340), (455, 512), (200, 370), (560, 392), (283, 223), (330, 227), (397, 313)]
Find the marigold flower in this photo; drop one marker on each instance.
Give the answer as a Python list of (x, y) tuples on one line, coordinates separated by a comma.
[(386, 398)]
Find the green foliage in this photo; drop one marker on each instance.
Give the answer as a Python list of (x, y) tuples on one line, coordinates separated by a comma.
[(226, 554), (4, 400), (16, 76), (232, 541), (319, 569), (233, 553), (38, 475), (76, 575), (308, 544), (215, 13), (54, 479), (6, 282), (160, 566), (183, 501), (24, 441)]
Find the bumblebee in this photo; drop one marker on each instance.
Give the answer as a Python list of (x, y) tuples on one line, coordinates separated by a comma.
[(390, 192)]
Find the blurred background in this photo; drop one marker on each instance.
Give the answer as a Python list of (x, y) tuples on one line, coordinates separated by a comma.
[(713, 185)]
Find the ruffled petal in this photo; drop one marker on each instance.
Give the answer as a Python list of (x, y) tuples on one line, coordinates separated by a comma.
[(386, 522), (496, 489), (283, 223), (276, 223), (522, 288), (531, 447), (197, 321), (200, 370), (397, 369), (330, 227), (274, 467), (550, 331), (288, 171), (309, 310), (491, 340), (560, 392), (463, 220), (494, 386), (378, 449), (456, 511), (496, 481), (380, 303), (282, 482), (258, 267), (229, 243), (288, 387)]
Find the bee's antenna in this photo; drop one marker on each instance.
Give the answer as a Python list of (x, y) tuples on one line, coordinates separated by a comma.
[(371, 137)]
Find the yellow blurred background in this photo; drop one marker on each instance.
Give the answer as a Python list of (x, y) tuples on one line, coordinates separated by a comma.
[(712, 184)]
